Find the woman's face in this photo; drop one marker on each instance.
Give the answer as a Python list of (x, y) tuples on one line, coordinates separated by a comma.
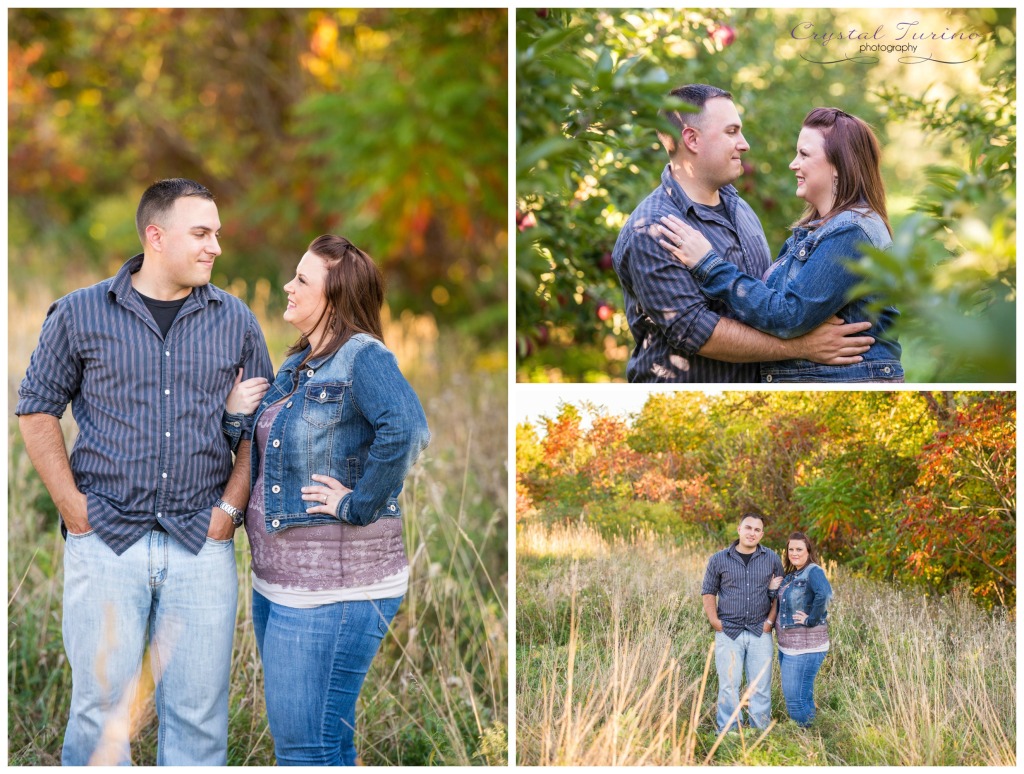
[(814, 175), (797, 553), (306, 298)]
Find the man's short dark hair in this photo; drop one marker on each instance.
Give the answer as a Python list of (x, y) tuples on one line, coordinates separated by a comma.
[(160, 197), (696, 94), (753, 515)]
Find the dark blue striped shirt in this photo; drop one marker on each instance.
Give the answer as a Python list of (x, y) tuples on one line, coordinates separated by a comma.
[(668, 315), (148, 408), (744, 600)]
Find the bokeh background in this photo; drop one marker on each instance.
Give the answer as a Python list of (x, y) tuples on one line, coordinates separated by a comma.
[(386, 126), (589, 84)]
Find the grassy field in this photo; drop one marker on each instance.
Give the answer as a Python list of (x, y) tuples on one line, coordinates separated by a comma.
[(437, 694), (615, 666)]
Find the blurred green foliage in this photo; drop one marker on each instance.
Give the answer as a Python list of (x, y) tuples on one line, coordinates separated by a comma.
[(590, 83), (388, 125)]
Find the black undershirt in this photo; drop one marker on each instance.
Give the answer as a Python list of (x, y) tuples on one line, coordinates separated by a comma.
[(163, 312), (746, 557)]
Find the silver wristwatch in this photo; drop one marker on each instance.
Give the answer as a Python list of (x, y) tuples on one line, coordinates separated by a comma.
[(237, 516)]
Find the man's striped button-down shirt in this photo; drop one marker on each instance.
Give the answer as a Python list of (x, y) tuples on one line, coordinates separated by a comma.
[(150, 448)]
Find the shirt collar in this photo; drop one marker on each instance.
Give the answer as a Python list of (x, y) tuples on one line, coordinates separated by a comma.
[(121, 286), (757, 549), (684, 202)]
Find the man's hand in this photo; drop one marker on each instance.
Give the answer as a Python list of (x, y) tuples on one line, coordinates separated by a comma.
[(717, 624), (833, 343), (221, 526), (767, 626), (75, 512)]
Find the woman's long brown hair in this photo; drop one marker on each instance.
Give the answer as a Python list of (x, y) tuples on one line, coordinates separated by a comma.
[(852, 148), (354, 289), (812, 555)]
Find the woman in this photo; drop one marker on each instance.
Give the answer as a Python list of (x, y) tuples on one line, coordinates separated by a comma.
[(838, 176), (334, 437), (801, 626)]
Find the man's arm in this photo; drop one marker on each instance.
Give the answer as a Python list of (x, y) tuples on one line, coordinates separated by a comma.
[(711, 611), (236, 493), (831, 343), (44, 443), (771, 616)]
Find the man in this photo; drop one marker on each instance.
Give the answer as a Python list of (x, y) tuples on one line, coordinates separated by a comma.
[(680, 335), (741, 609), (148, 499)]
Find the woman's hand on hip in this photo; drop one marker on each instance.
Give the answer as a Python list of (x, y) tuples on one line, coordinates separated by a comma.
[(326, 495), (245, 397), (800, 617), (684, 242)]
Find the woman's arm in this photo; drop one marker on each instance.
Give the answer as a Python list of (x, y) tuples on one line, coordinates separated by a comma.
[(819, 290), (822, 594), (382, 395)]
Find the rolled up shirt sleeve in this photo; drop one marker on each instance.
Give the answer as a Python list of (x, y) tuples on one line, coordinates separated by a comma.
[(54, 373), (669, 295)]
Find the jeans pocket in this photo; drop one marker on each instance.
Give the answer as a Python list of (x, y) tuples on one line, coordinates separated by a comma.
[(214, 542), (80, 536), (386, 610)]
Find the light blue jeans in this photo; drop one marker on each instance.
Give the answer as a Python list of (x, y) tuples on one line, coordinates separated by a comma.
[(314, 662), (751, 654), (183, 606), (798, 674)]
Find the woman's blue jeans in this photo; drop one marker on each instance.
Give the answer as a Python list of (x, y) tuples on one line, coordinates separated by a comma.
[(314, 663), (798, 674)]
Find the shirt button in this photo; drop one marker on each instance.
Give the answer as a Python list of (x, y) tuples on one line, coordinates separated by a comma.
[(275, 523), (159, 515), (163, 475), (768, 378), (168, 434), (167, 392), (277, 442), (309, 372), (167, 352), (275, 489)]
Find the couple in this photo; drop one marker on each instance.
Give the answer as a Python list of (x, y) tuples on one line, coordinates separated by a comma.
[(149, 498), (701, 301), (746, 592)]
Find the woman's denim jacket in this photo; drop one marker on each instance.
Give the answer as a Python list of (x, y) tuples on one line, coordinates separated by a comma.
[(351, 416), (809, 283), (807, 590)]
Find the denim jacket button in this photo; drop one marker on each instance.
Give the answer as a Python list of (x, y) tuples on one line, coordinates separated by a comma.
[(323, 394), (309, 372), (887, 370), (277, 442), (288, 404), (803, 252), (392, 508), (275, 523), (275, 489)]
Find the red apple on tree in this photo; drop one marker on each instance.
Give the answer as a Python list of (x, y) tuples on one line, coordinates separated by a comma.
[(723, 35), (604, 312)]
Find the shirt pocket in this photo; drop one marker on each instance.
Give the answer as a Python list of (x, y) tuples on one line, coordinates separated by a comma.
[(323, 404)]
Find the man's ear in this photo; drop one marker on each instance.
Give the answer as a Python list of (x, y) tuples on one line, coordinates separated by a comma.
[(154, 237), (690, 138)]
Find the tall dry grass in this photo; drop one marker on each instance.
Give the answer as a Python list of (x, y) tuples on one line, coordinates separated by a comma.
[(437, 693), (614, 666)]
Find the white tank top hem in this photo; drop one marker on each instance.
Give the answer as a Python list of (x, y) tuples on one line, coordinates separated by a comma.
[(386, 588)]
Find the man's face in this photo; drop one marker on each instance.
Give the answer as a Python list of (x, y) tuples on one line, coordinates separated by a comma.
[(751, 531), (189, 242), (720, 142)]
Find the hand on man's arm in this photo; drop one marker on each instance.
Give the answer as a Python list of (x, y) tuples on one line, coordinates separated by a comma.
[(236, 493), (44, 443), (831, 343)]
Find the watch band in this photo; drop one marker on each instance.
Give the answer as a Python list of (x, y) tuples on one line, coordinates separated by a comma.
[(237, 516)]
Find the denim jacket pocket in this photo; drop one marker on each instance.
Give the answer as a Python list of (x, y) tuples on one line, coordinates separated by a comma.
[(323, 403)]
